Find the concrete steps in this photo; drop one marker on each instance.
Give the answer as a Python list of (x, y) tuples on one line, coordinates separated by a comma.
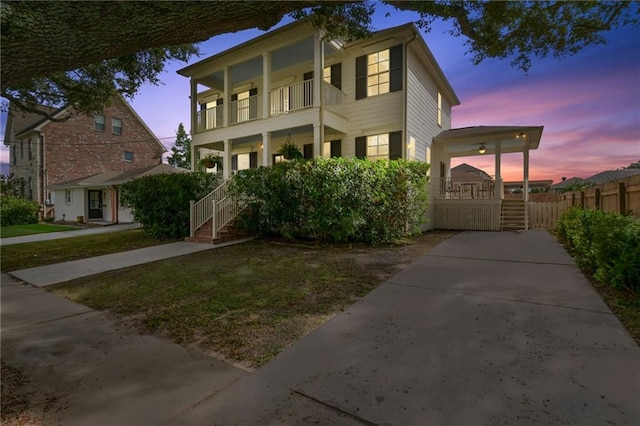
[(513, 215)]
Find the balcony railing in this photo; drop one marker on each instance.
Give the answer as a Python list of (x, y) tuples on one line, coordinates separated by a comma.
[(454, 189), (245, 109), (292, 97), (282, 100)]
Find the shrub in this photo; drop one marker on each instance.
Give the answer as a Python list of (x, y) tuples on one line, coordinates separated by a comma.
[(606, 245), (18, 211), (335, 199), (160, 203)]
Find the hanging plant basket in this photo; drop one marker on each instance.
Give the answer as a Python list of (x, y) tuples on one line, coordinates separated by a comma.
[(212, 161), (289, 150)]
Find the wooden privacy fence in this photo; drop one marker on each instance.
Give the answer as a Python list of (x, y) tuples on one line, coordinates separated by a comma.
[(620, 196)]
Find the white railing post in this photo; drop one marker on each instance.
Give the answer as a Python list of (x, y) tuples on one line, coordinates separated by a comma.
[(214, 219), (191, 218)]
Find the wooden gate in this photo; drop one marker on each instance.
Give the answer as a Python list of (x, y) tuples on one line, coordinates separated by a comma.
[(545, 214)]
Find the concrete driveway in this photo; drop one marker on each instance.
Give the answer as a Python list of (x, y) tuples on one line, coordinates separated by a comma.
[(485, 329)]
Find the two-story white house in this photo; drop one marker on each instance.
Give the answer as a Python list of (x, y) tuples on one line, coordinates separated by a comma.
[(383, 97)]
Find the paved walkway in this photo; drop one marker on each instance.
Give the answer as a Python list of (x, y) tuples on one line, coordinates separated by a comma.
[(487, 328), (67, 234)]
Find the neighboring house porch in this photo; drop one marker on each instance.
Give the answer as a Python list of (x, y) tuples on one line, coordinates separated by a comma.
[(96, 198)]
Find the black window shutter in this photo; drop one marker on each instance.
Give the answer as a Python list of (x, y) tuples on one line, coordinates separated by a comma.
[(234, 97), (395, 68), (253, 160), (308, 150), (234, 162), (395, 145), (253, 92), (336, 148), (336, 75), (361, 77), (203, 106), (307, 75), (361, 147)]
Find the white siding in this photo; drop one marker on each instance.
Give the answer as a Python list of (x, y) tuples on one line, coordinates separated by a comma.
[(72, 211)]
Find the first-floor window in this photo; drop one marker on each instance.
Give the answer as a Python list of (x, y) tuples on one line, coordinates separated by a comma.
[(378, 147), (67, 197)]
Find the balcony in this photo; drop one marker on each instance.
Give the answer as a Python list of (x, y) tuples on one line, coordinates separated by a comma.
[(282, 100)]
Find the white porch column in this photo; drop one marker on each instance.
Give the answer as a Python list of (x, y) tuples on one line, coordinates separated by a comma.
[(226, 99), (318, 138), (318, 68), (266, 149), (266, 84), (194, 107), (318, 101), (499, 194), (525, 180), (226, 159)]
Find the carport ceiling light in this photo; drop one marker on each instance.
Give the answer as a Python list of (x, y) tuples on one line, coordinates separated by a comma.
[(482, 149)]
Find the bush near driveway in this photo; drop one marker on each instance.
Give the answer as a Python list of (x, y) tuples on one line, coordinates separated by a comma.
[(160, 203), (18, 211), (605, 245), (338, 199)]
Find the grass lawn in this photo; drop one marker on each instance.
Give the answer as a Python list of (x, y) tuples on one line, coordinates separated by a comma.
[(245, 303), (28, 255), (36, 228)]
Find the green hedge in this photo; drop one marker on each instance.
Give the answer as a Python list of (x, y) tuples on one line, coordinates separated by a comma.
[(160, 203), (606, 245), (336, 199), (18, 211)]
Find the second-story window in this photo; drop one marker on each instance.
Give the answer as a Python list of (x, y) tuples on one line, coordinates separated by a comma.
[(379, 72), (116, 126), (98, 122), (128, 156), (439, 109), (333, 75)]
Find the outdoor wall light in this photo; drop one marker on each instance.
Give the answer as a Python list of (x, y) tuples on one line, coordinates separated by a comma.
[(482, 149)]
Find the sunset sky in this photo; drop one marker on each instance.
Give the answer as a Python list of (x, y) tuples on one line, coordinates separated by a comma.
[(589, 104)]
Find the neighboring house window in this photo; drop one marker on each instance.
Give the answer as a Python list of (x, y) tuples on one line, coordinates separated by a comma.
[(98, 122), (116, 126), (14, 154), (379, 72), (30, 188), (128, 156), (67, 197), (382, 146), (29, 153), (439, 109), (21, 149)]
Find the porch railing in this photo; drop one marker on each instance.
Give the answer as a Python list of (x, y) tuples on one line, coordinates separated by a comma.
[(292, 97), (245, 109), (219, 206), (210, 118), (334, 98), (453, 189)]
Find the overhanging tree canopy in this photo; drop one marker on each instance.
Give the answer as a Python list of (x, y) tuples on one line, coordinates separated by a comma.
[(83, 53)]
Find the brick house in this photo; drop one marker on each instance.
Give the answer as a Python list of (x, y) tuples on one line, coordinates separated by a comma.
[(44, 153)]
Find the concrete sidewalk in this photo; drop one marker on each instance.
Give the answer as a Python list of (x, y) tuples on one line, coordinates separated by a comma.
[(42, 276), (487, 328), (67, 234)]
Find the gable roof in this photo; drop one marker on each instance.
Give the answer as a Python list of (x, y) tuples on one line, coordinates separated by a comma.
[(20, 121), (609, 175), (32, 121), (112, 177), (465, 171)]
